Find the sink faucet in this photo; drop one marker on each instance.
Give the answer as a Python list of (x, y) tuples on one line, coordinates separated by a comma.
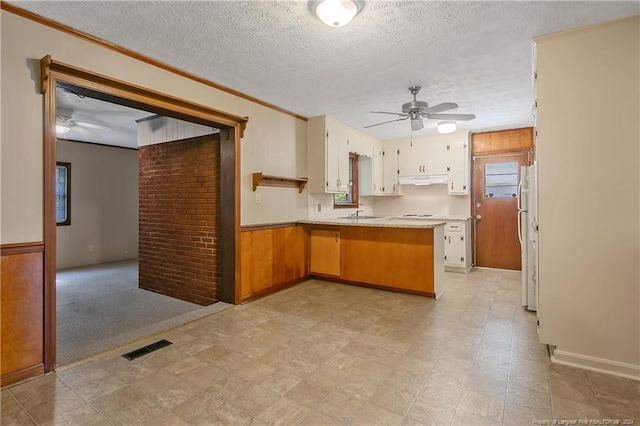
[(355, 215)]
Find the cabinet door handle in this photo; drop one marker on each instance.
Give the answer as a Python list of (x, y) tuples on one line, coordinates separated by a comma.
[(449, 240), (394, 186), (336, 238), (374, 186), (451, 185)]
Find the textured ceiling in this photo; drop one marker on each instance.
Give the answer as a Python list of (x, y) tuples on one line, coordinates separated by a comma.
[(477, 54)]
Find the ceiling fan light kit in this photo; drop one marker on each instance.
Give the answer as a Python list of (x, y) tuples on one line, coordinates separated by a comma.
[(62, 129), (446, 127), (417, 110), (336, 13)]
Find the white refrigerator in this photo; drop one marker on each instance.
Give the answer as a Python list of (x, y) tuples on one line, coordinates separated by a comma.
[(528, 235)]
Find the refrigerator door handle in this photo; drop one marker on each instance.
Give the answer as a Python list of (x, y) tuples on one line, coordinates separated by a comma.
[(519, 198), (520, 226)]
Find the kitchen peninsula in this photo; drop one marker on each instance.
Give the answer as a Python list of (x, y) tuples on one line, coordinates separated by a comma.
[(389, 253)]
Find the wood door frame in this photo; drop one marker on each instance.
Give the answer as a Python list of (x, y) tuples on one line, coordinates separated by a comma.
[(120, 92), (488, 155)]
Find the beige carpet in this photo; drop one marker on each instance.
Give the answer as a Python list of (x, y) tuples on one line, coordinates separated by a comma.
[(100, 308)]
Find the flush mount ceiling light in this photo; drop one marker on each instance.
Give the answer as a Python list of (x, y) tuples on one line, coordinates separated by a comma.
[(446, 127), (336, 13), (61, 128)]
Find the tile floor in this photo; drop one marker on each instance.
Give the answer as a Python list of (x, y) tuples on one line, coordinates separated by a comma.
[(330, 354)]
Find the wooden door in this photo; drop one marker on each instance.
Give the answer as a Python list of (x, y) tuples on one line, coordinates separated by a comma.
[(495, 188)]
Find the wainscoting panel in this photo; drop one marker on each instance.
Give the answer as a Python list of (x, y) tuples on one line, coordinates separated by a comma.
[(273, 257), (502, 141), (22, 310)]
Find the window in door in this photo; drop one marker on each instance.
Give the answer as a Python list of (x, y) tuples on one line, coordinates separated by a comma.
[(501, 180), (63, 193), (351, 198)]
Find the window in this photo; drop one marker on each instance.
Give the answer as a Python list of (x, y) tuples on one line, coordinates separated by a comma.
[(501, 180), (350, 199), (63, 193)]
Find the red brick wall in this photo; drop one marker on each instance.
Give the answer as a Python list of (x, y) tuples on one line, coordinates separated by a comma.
[(178, 219)]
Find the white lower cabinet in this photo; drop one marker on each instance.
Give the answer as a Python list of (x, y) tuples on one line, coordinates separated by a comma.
[(457, 246)]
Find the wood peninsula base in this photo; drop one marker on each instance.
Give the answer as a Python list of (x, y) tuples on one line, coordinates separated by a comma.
[(376, 253)]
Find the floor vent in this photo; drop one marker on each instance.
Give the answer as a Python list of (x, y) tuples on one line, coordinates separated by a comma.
[(147, 349)]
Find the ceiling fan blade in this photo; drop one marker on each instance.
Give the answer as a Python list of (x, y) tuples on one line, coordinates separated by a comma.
[(91, 125), (455, 117), (84, 131), (446, 106), (385, 122), (393, 113), (417, 124)]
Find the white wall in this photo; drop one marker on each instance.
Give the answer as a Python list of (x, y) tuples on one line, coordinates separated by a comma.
[(588, 154), (274, 142), (104, 205)]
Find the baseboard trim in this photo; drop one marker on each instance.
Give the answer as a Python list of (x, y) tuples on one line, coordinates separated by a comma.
[(20, 376), (600, 365), (379, 287)]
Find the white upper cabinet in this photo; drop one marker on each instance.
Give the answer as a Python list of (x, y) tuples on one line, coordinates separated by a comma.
[(328, 155), (390, 184), (458, 155), (379, 174), (423, 156), (378, 169), (337, 164)]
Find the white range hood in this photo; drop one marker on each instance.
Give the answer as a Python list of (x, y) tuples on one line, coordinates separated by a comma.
[(424, 180)]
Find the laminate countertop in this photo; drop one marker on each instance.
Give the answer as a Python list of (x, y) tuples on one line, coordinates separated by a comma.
[(378, 222)]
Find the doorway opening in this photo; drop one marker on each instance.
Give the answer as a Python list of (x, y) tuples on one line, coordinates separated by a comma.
[(497, 159), (100, 302), (99, 87)]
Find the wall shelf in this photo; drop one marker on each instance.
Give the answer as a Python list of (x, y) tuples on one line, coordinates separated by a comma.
[(286, 182)]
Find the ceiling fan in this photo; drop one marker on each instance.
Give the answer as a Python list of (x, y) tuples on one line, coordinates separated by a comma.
[(416, 110), (64, 123)]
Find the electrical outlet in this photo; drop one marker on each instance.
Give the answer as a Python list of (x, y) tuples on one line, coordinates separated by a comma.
[(258, 198), (319, 207), (91, 248)]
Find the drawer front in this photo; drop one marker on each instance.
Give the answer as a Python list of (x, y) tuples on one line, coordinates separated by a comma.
[(454, 227)]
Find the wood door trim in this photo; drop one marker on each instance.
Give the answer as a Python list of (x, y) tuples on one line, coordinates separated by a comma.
[(117, 91), (20, 248), (95, 84), (483, 156), (142, 58)]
